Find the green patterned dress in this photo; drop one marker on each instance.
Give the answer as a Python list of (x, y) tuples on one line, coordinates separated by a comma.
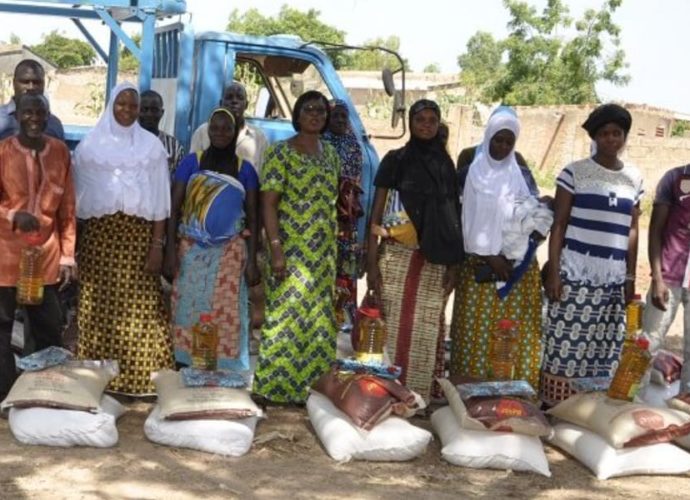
[(299, 331)]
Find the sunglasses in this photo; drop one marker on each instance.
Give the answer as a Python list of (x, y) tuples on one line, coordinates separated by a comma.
[(314, 109)]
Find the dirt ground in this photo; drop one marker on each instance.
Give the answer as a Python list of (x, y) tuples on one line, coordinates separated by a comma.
[(291, 463)]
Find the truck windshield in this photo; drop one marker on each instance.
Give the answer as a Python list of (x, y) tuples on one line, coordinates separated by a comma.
[(274, 83)]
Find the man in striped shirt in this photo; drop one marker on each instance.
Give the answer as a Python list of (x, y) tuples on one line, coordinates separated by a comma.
[(150, 114)]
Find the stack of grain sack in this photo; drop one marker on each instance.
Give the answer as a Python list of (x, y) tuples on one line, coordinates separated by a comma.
[(59, 401), (210, 411), (492, 425), (359, 411), (618, 437)]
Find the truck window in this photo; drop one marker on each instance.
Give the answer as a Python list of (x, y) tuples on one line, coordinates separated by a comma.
[(274, 83)]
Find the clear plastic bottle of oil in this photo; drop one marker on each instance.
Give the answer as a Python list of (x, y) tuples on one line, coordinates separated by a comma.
[(30, 284), (502, 349), (372, 335), (205, 343), (633, 320), (634, 363)]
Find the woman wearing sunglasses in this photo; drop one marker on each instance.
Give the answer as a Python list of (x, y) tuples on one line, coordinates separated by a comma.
[(299, 187)]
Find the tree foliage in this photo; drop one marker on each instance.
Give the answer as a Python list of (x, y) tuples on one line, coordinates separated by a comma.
[(536, 64), (289, 21), (432, 68), (375, 60), (128, 63), (64, 52)]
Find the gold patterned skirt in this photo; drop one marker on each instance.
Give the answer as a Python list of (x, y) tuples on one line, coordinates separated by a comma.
[(121, 314)]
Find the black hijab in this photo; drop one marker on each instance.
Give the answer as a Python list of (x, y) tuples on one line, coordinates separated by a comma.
[(222, 160), (425, 179)]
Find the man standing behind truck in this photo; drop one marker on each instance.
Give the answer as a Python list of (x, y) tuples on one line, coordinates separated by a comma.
[(150, 114), (251, 142), (29, 78), (36, 195)]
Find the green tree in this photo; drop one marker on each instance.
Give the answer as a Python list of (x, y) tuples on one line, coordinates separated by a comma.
[(432, 68), (535, 64), (64, 52), (14, 39), (289, 21), (128, 63), (376, 60)]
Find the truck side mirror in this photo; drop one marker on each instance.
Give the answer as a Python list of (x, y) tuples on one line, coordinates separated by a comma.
[(388, 82), (398, 109)]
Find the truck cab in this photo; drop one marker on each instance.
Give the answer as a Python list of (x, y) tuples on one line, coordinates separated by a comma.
[(191, 70)]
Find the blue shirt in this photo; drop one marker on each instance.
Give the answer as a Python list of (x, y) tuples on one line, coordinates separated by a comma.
[(9, 125)]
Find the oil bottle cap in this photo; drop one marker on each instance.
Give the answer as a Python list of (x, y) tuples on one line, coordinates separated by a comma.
[(370, 312), (642, 343), (506, 324), (32, 238), (205, 318)]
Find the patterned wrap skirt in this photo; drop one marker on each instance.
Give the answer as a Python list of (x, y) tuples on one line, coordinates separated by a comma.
[(584, 337), (477, 310), (121, 315), (211, 281), (413, 306)]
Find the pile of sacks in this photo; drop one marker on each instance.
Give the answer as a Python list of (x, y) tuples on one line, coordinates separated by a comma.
[(492, 425), (205, 411), (621, 438), (59, 401), (359, 412)]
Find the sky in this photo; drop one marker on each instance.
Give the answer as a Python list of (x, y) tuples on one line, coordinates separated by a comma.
[(653, 34)]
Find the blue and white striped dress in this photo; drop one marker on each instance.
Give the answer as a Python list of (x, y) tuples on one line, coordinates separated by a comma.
[(586, 329)]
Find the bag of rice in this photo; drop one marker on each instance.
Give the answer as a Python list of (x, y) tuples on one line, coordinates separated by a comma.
[(605, 461), (66, 428), (496, 413), (178, 402), (232, 438), (75, 385), (484, 449), (621, 423), (392, 440), (367, 399)]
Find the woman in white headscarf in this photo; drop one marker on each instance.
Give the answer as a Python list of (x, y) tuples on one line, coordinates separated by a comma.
[(492, 188), (123, 195)]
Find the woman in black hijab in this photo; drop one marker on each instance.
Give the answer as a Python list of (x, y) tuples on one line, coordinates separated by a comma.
[(416, 215)]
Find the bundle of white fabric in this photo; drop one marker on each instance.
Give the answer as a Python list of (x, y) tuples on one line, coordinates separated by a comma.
[(530, 215)]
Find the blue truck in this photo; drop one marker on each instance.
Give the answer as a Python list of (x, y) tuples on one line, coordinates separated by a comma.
[(191, 69)]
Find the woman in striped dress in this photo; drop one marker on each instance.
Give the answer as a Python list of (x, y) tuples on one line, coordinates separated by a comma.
[(592, 259)]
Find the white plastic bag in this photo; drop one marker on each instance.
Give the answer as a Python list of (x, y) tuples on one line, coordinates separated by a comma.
[(66, 428), (392, 440), (605, 461), (231, 438), (488, 449), (657, 394)]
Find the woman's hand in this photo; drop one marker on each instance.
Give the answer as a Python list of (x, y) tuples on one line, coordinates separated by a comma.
[(25, 222), (154, 260), (374, 281), (553, 285), (170, 265), (629, 291), (501, 267), (278, 264), (450, 279), (252, 274)]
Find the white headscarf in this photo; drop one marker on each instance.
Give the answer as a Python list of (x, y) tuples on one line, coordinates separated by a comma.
[(491, 190), (121, 169)]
